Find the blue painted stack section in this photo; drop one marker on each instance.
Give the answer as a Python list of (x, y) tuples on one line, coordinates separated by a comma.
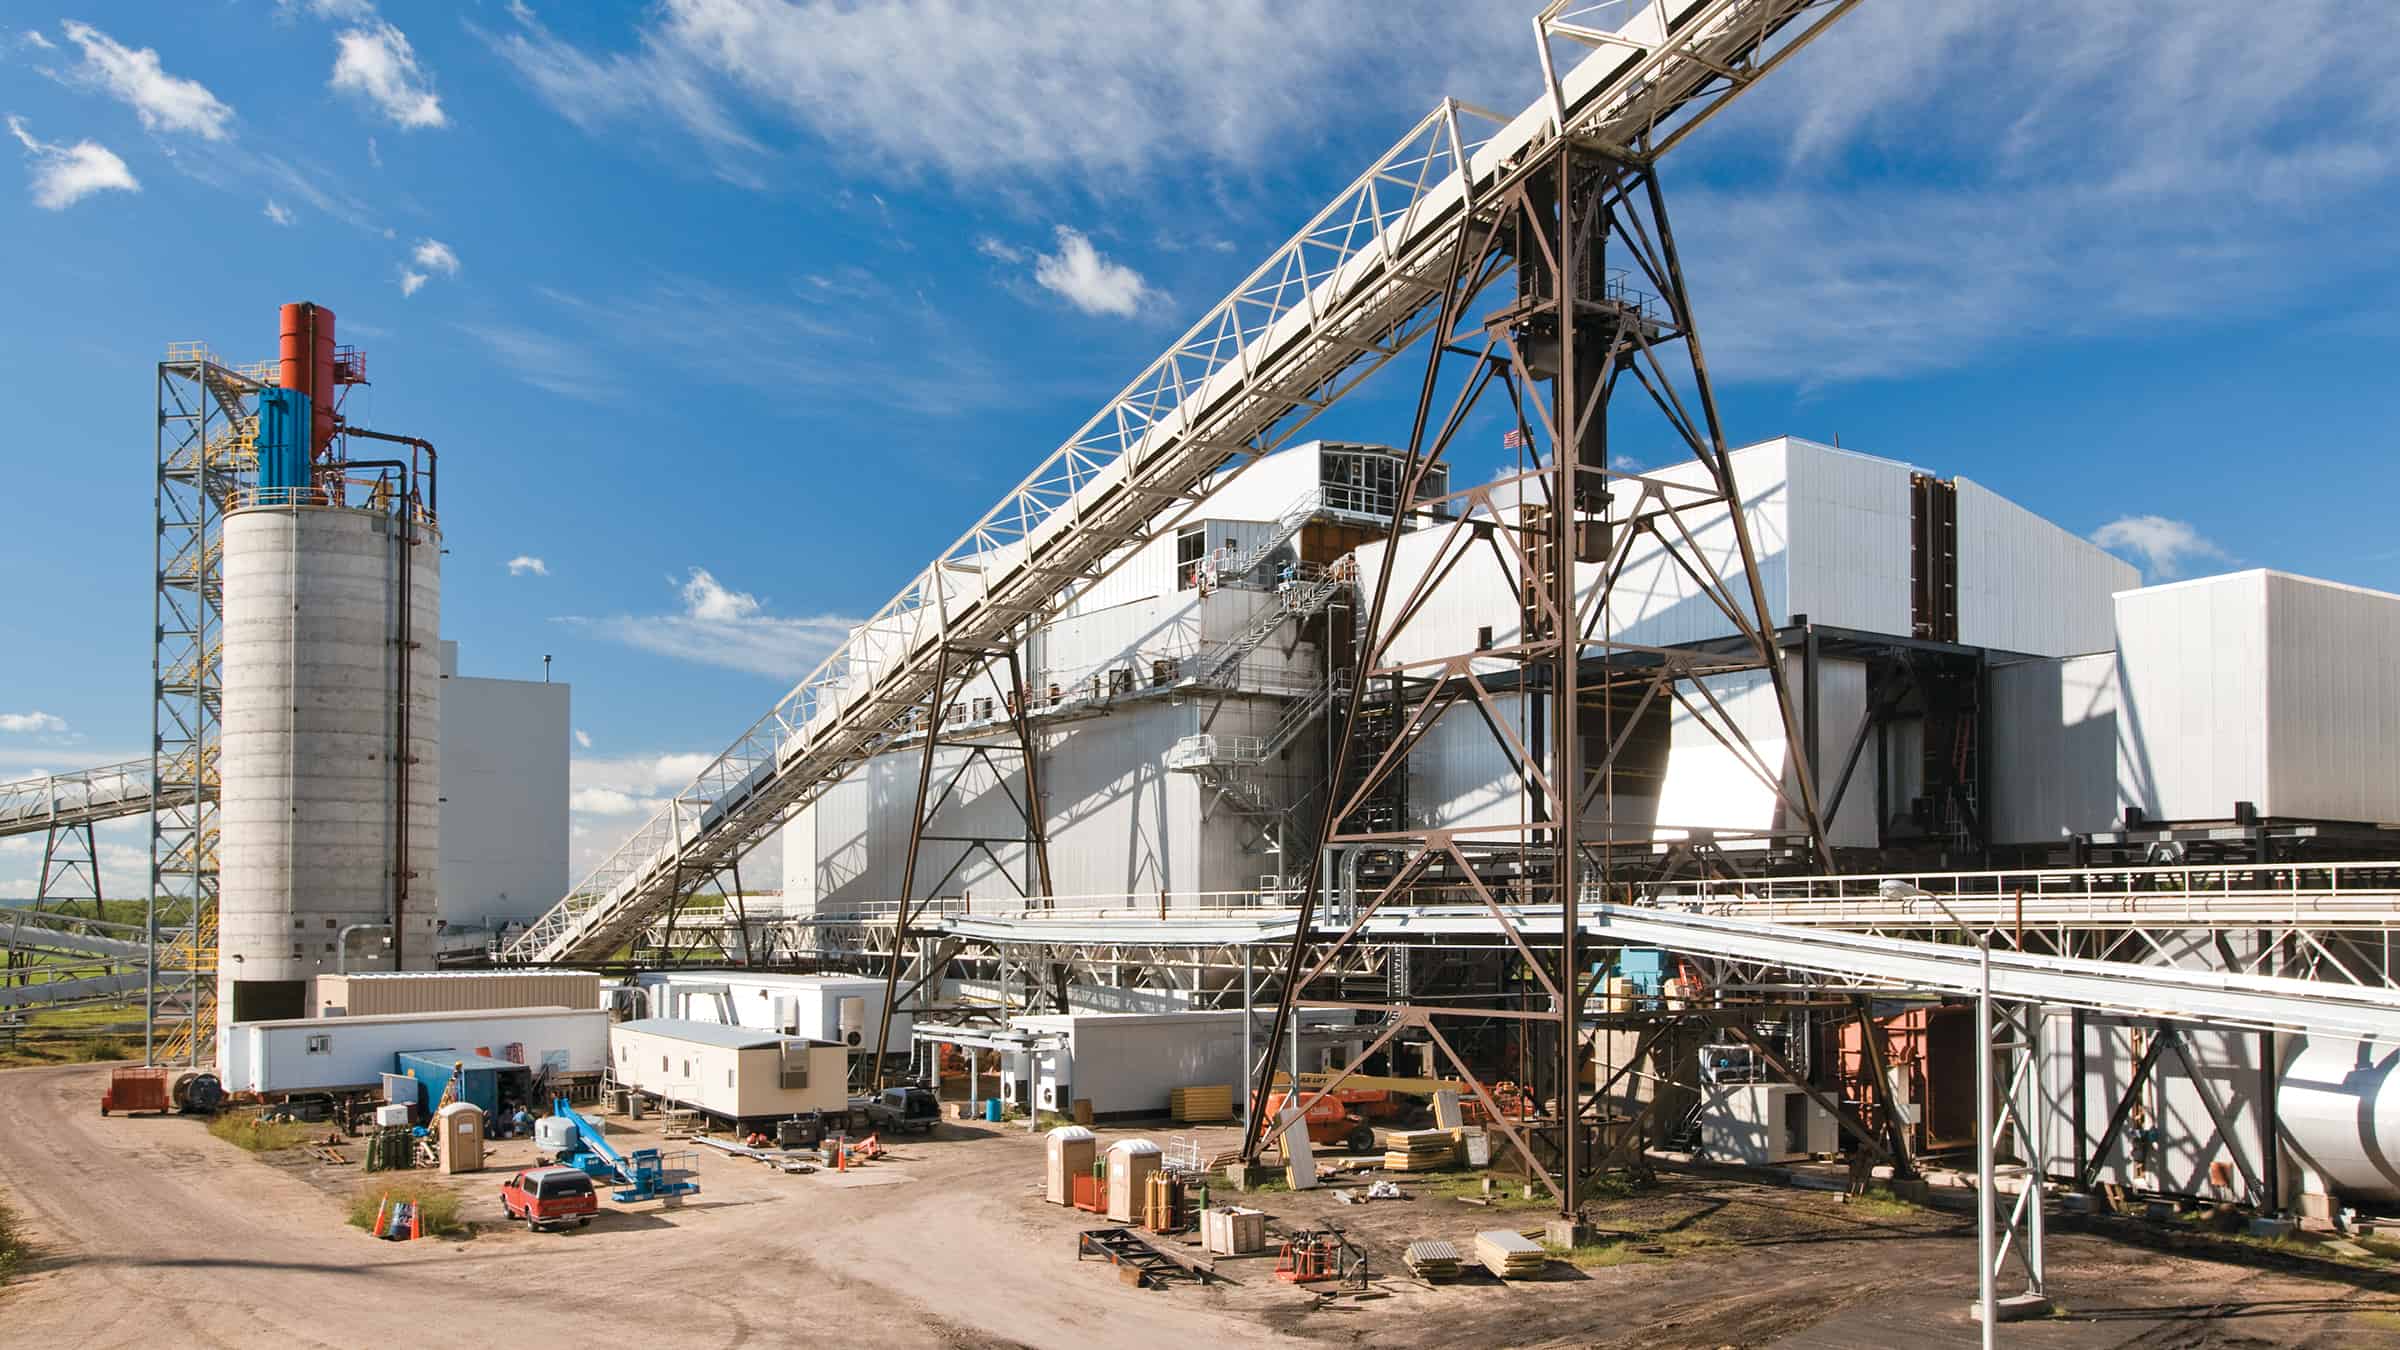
[(283, 458)]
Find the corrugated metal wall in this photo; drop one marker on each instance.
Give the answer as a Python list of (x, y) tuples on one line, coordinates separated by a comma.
[(2026, 585), (2192, 691), (457, 991), (2052, 737), (2333, 701)]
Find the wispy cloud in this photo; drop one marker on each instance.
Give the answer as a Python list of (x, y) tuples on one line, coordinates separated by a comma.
[(375, 62), (1073, 87), (526, 565), (583, 739), (278, 212), (720, 626), (66, 174), (34, 38), (543, 361), (134, 76), (33, 724), (1957, 174), (1090, 280), (2164, 548)]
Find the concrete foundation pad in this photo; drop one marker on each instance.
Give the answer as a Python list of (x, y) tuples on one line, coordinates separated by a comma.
[(2014, 1308)]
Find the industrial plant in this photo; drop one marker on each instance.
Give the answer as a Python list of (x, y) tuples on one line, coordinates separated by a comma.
[(1265, 824)]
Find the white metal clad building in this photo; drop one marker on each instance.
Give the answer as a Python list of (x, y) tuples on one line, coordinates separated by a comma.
[(305, 1054), (504, 796)]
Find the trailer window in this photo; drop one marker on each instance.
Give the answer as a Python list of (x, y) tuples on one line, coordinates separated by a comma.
[(320, 1045)]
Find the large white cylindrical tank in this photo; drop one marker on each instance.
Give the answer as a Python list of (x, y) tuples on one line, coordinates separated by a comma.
[(332, 718), (2340, 1105)]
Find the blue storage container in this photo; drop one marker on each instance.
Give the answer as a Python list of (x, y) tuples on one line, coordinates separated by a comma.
[(991, 1108), (433, 1070), (1646, 967)]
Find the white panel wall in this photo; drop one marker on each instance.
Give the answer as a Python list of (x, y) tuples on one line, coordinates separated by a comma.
[(1848, 550), (2053, 747), (2192, 689), (2333, 701), (2026, 585), (504, 797)]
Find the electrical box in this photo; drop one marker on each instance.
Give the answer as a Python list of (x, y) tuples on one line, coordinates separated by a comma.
[(1759, 1123)]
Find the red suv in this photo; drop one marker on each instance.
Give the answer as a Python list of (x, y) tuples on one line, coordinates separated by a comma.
[(548, 1197)]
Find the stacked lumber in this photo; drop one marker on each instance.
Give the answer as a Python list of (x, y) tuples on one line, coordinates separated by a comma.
[(1418, 1150), (1432, 1260), (1511, 1256), (1207, 1103)]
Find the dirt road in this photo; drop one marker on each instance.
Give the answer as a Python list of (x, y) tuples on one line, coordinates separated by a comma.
[(149, 1230)]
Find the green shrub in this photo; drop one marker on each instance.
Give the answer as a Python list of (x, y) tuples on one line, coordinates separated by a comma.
[(12, 1243), (437, 1205)]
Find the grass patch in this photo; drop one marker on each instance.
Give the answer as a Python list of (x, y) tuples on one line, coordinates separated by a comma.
[(247, 1131), (95, 1050), (2387, 1248), (437, 1204), (1598, 1255), (12, 1243), (1507, 1192), (1878, 1202)]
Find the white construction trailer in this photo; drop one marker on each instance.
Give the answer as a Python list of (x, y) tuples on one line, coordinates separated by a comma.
[(316, 1053), (732, 1074)]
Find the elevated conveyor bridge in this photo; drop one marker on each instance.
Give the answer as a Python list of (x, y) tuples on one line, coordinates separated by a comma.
[(1356, 286)]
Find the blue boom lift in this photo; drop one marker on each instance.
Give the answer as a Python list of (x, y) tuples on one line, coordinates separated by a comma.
[(644, 1174)]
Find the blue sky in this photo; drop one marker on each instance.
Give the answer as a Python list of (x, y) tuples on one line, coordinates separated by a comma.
[(731, 312)]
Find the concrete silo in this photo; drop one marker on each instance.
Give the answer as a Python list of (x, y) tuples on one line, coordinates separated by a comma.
[(329, 770)]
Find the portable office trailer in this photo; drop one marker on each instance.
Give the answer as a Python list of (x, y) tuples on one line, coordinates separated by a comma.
[(317, 1053), (842, 1009), (731, 1073), (373, 993)]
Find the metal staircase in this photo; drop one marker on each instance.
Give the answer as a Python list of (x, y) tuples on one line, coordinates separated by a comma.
[(1303, 598), (1358, 285), (1304, 508)]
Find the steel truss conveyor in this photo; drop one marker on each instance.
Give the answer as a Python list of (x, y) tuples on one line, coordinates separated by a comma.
[(1350, 291)]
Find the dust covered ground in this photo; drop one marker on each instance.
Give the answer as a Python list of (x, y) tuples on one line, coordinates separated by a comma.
[(149, 1228)]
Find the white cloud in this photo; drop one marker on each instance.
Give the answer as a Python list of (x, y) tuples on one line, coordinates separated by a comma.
[(375, 62), (583, 739), (66, 174), (721, 626), (434, 258), (1089, 279), (1959, 174), (2163, 547), (1067, 88), (526, 565), (33, 37), (32, 724), (998, 251), (164, 102), (278, 212)]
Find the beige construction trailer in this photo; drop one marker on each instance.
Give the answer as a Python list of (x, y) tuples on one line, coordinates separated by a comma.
[(732, 1074)]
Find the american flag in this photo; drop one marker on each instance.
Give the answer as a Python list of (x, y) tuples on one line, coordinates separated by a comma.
[(1515, 439)]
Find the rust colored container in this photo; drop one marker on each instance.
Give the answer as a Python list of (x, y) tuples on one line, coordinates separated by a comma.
[(304, 360), (136, 1089)]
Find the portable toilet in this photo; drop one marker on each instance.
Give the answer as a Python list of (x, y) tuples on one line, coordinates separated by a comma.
[(1071, 1150), (1130, 1163), (458, 1137)]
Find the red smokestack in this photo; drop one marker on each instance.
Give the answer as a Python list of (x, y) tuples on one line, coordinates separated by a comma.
[(306, 357)]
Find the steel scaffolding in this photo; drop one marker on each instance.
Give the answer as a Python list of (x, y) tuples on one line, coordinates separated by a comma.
[(207, 450)]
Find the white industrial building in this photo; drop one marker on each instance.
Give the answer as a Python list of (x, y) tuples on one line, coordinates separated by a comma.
[(2256, 689), (1179, 702), (504, 797)]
